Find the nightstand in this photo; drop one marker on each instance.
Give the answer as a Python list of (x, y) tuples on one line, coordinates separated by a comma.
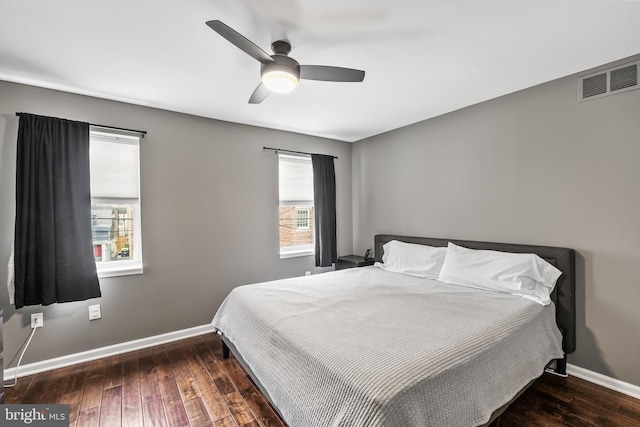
[(352, 261)]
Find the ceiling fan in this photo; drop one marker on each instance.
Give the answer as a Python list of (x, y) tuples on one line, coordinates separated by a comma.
[(279, 72)]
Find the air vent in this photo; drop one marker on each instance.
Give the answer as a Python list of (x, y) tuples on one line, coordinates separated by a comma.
[(608, 82), (594, 85), (623, 78)]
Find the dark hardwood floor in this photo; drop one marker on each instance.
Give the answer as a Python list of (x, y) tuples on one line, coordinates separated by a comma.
[(187, 383)]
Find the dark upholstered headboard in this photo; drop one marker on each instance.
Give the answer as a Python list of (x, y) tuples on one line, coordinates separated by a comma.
[(563, 259)]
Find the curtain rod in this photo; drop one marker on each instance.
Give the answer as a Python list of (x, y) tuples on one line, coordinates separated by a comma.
[(141, 132), (292, 151)]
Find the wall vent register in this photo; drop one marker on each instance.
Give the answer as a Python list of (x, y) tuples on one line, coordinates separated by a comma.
[(608, 82)]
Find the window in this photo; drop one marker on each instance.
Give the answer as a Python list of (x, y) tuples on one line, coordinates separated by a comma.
[(115, 203), (296, 206), (303, 218)]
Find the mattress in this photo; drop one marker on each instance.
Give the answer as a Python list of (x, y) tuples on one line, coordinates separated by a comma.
[(367, 347)]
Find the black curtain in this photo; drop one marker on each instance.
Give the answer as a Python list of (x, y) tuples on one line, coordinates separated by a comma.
[(53, 245), (324, 209)]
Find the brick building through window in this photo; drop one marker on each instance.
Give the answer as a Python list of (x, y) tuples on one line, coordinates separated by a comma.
[(296, 225)]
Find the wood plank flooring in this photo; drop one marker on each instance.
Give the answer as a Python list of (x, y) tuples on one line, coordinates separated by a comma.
[(187, 383)]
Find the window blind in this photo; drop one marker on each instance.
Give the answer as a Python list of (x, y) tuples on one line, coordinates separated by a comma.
[(114, 166), (296, 180)]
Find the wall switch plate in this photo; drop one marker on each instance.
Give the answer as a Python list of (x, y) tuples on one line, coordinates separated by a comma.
[(94, 312), (37, 321)]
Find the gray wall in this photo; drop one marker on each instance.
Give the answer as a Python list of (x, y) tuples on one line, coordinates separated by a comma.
[(209, 197), (532, 167)]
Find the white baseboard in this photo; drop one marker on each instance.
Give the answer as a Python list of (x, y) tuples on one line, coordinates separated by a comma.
[(111, 350), (605, 381)]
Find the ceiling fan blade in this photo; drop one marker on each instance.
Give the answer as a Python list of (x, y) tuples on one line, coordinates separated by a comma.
[(239, 41), (260, 94), (330, 74)]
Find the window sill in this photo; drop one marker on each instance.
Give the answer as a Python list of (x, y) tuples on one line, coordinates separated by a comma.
[(295, 254), (120, 270)]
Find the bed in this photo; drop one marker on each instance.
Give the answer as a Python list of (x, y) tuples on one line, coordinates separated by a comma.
[(370, 347)]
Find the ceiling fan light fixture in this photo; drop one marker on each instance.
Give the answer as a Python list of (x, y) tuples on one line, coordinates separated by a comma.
[(281, 74), (279, 81)]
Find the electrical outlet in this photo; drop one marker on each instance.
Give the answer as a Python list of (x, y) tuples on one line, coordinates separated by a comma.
[(37, 321), (307, 273), (94, 312)]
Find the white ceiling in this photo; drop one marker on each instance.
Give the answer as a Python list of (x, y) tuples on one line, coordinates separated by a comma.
[(422, 58)]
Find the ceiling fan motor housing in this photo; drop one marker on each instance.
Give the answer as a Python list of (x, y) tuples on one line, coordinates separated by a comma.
[(281, 63), (281, 47)]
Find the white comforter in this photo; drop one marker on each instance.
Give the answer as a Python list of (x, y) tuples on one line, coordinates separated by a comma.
[(366, 347)]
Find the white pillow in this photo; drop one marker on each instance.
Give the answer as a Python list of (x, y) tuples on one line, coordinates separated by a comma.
[(416, 260), (525, 275)]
